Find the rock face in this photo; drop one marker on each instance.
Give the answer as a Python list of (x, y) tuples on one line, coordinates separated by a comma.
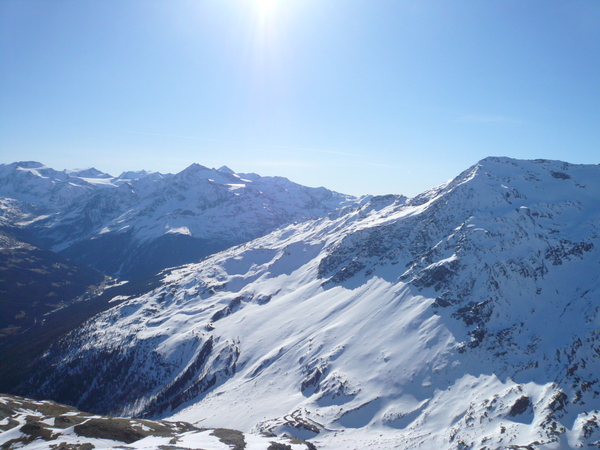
[(466, 317), (135, 225)]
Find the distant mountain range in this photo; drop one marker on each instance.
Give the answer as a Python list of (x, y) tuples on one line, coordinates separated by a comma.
[(467, 317), (136, 224)]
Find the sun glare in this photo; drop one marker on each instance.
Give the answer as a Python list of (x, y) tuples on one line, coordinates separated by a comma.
[(265, 7)]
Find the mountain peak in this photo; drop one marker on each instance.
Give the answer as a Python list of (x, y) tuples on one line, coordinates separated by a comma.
[(196, 166), (225, 169), (29, 164), (135, 174), (88, 172), (194, 169), (199, 172)]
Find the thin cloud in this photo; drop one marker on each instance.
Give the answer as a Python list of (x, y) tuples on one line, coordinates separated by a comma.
[(274, 146), (283, 164), (330, 152), (488, 118), (378, 165), (184, 137)]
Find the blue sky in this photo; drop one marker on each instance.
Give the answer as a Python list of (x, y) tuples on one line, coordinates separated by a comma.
[(360, 96)]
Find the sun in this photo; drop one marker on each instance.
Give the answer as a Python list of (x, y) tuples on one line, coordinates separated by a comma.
[(266, 7)]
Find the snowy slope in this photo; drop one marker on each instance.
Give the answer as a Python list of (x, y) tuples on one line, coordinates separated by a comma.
[(142, 222), (466, 317)]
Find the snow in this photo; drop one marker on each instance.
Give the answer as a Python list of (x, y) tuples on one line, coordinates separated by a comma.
[(104, 182), (180, 230)]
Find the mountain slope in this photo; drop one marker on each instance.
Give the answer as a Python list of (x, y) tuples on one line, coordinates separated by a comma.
[(466, 317), (36, 288), (35, 282)]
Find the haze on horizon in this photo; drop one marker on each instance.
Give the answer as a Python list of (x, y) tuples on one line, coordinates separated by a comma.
[(357, 96)]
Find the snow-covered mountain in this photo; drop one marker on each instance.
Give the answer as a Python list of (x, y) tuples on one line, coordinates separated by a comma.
[(37, 184), (142, 222), (466, 317), (89, 172)]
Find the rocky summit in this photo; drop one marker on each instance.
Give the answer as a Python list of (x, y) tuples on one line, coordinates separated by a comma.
[(46, 425)]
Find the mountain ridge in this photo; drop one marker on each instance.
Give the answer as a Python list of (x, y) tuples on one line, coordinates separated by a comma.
[(155, 221)]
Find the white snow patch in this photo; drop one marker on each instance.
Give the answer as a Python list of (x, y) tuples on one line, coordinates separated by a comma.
[(178, 230)]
